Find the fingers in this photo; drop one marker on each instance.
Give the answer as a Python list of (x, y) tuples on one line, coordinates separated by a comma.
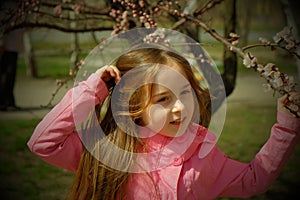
[(110, 72), (114, 73), (289, 103), (294, 97), (281, 102)]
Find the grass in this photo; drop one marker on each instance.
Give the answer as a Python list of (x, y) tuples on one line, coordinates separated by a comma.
[(23, 175), (56, 65)]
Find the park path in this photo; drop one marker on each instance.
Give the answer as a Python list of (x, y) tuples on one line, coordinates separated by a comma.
[(30, 94)]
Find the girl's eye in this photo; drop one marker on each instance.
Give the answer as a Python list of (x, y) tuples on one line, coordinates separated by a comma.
[(185, 92), (163, 99)]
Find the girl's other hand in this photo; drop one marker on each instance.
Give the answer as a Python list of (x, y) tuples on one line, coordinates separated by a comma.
[(108, 74), (286, 101)]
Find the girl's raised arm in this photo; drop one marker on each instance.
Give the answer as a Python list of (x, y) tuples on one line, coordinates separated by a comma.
[(244, 180), (55, 139)]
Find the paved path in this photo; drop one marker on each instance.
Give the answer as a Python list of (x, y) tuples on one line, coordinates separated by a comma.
[(31, 93)]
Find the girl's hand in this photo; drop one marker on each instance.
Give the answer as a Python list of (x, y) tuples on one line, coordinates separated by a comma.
[(285, 101), (109, 74)]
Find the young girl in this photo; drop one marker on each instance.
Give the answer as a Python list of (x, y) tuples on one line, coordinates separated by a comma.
[(160, 145)]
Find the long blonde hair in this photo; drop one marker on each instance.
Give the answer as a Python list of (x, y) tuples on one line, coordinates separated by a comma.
[(95, 180)]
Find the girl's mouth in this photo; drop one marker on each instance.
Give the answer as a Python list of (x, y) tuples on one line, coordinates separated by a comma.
[(177, 122)]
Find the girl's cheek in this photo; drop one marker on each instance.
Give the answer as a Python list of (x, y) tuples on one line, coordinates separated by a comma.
[(157, 117), (188, 102)]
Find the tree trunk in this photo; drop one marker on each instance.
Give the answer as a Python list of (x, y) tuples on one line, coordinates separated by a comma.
[(29, 57), (75, 52), (190, 28), (290, 11), (244, 29), (229, 57), (74, 45)]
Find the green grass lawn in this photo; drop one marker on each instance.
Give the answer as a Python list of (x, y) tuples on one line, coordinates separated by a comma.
[(23, 175), (56, 65)]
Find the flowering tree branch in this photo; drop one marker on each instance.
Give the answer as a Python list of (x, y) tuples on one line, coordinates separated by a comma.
[(277, 80), (266, 43), (121, 15)]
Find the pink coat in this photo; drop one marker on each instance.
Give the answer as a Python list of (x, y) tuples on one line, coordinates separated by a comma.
[(193, 175)]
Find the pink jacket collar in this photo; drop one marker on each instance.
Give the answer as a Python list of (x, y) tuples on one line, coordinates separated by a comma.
[(162, 151)]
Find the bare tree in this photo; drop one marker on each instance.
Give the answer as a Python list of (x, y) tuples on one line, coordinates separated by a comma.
[(54, 14), (229, 57), (29, 56)]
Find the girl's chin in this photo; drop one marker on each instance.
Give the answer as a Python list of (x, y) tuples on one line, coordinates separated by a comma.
[(176, 133)]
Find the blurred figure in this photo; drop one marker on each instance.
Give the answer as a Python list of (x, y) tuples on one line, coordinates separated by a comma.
[(10, 47)]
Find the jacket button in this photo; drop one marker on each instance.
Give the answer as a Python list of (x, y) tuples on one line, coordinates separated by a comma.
[(178, 161)]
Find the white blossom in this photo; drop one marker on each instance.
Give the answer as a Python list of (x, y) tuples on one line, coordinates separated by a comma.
[(235, 42), (250, 62), (260, 67), (269, 67), (234, 39), (268, 70), (276, 74), (276, 38), (290, 44), (285, 31), (234, 35), (125, 14), (266, 87), (147, 25), (264, 40), (280, 35), (288, 88), (277, 82)]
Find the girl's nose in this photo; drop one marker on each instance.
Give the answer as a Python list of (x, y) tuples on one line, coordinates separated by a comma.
[(178, 106)]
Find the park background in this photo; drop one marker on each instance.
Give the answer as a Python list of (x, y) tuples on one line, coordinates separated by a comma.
[(251, 112)]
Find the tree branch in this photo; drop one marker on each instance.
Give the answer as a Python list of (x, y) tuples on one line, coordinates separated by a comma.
[(63, 28), (269, 45), (207, 6)]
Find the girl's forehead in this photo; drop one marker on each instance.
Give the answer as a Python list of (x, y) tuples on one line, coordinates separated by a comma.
[(171, 76)]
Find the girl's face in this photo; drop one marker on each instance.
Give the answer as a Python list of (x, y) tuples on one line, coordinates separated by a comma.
[(172, 103)]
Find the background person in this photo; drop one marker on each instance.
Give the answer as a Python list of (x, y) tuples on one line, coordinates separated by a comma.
[(11, 46)]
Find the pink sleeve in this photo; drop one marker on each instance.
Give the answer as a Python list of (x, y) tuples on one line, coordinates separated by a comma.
[(55, 139), (244, 180)]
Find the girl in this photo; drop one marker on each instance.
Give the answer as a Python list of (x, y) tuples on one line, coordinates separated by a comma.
[(166, 119)]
